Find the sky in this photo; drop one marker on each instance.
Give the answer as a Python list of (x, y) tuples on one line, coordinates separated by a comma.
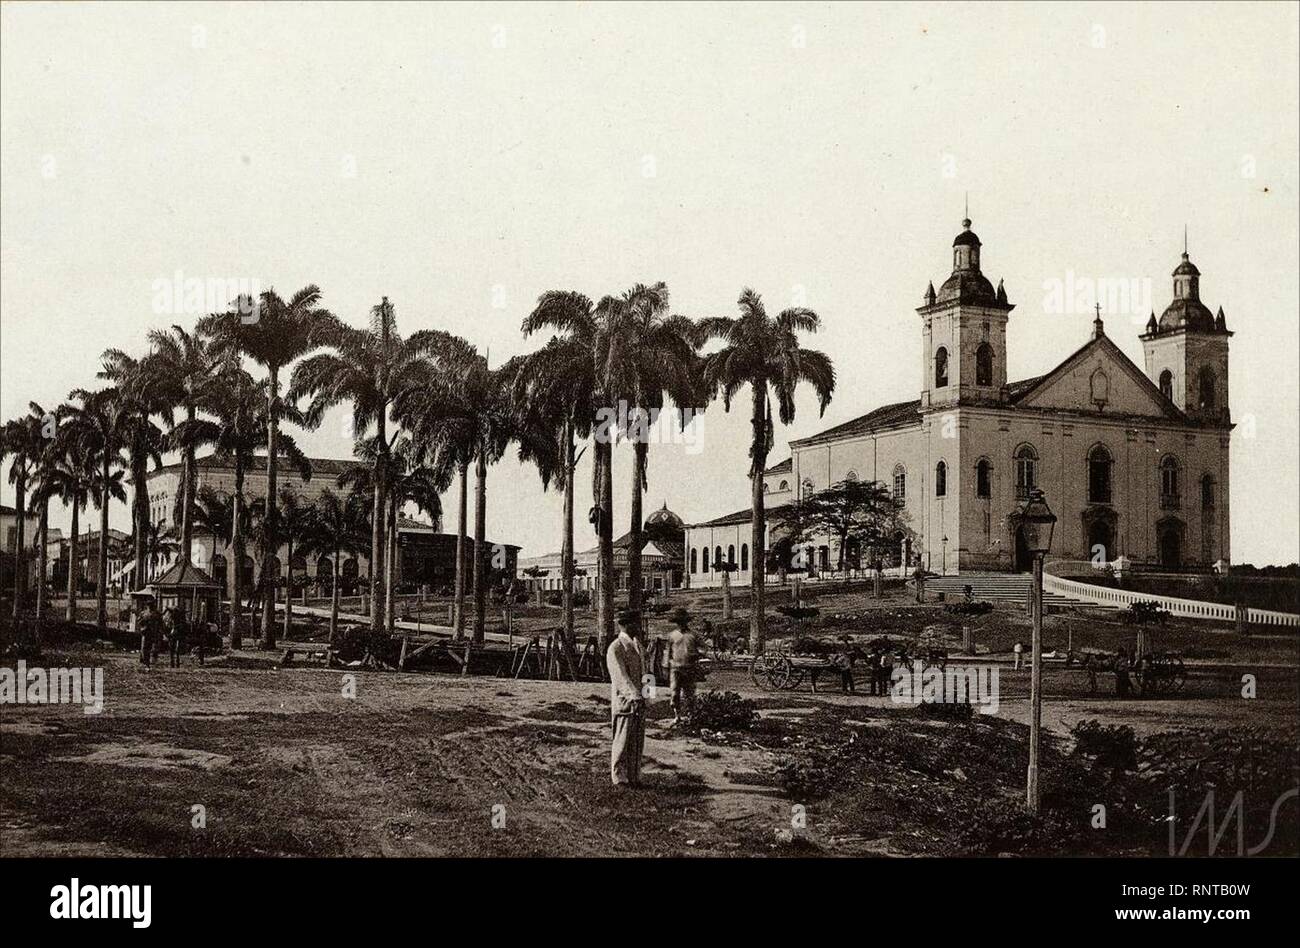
[(463, 159)]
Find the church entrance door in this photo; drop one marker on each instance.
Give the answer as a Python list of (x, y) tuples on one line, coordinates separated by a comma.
[(1171, 547), (1024, 558)]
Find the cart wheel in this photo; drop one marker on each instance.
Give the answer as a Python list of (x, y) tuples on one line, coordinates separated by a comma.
[(758, 671), (794, 678)]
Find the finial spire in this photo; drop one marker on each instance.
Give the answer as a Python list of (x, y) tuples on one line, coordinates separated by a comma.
[(1184, 241), (1098, 328)]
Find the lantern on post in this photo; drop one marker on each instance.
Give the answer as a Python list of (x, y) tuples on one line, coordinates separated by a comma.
[(1037, 522)]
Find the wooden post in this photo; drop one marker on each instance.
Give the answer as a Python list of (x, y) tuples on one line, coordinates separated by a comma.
[(1033, 797)]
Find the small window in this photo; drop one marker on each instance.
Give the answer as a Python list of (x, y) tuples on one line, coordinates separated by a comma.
[(984, 364), (940, 479), (1167, 384), (1207, 492), (731, 555), (1099, 470), (717, 558), (1169, 492), (941, 368), (807, 485), (851, 476), (900, 484), (983, 478), (744, 556), (1026, 470), (1207, 386), (706, 559), (695, 560)]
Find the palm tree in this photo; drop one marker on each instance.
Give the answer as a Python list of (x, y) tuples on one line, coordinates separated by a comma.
[(23, 440), (295, 523), (139, 399), (339, 524), (557, 386), (179, 369), (660, 361), (369, 369), (273, 332), (410, 482), (98, 418), (159, 543), (70, 480), (237, 427), (763, 353)]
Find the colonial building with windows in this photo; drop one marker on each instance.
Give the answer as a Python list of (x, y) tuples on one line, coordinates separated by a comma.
[(1133, 460)]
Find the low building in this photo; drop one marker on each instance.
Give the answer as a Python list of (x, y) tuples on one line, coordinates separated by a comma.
[(663, 559)]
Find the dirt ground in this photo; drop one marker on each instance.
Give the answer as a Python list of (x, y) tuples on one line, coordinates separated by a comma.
[(241, 757)]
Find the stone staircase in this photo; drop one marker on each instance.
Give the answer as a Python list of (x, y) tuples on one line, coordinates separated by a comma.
[(999, 587)]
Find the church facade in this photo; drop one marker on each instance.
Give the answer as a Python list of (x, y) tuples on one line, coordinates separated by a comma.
[(1133, 460)]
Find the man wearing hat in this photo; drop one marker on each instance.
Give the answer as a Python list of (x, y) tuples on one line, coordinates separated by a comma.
[(684, 663), (626, 663)]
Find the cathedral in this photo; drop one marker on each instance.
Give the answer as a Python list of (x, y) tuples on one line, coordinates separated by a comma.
[(1132, 460)]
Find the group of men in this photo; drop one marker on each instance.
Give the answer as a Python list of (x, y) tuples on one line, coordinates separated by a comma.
[(169, 626), (630, 683)]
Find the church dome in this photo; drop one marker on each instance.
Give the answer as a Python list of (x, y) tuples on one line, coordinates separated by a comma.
[(967, 286), (663, 518), (1187, 314)]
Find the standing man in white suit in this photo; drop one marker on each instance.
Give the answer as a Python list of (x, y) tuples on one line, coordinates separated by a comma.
[(626, 663)]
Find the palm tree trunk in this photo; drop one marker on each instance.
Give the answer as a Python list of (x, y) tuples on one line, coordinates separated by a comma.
[(237, 551), (269, 532), (334, 596), (566, 549), (605, 527), (758, 557), (42, 544), (187, 497), (390, 599), (140, 515), (288, 591), (480, 548), (635, 540), (101, 593), (462, 511), (20, 573), (377, 532), (70, 611)]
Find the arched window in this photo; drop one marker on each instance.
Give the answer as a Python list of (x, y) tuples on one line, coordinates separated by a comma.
[(900, 484), (1207, 386), (1207, 492), (706, 559), (983, 478), (1099, 468), (1026, 469), (717, 558), (784, 485), (851, 476), (695, 560), (731, 555), (807, 486), (941, 368), (744, 556), (1169, 494), (1167, 384), (984, 364), (940, 479), (765, 487)]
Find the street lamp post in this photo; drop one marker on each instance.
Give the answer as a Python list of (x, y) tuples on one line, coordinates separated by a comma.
[(1036, 524)]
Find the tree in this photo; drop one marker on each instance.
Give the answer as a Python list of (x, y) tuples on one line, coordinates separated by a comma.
[(339, 524), (273, 332), (179, 370), (138, 399), (69, 479), (368, 369), (237, 427), (295, 525), (556, 385), (97, 417), (409, 483), (860, 511), (159, 543), (23, 440), (763, 353)]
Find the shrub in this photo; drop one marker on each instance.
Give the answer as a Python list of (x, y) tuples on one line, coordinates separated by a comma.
[(723, 711), (1112, 746), (799, 613), (968, 608)]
